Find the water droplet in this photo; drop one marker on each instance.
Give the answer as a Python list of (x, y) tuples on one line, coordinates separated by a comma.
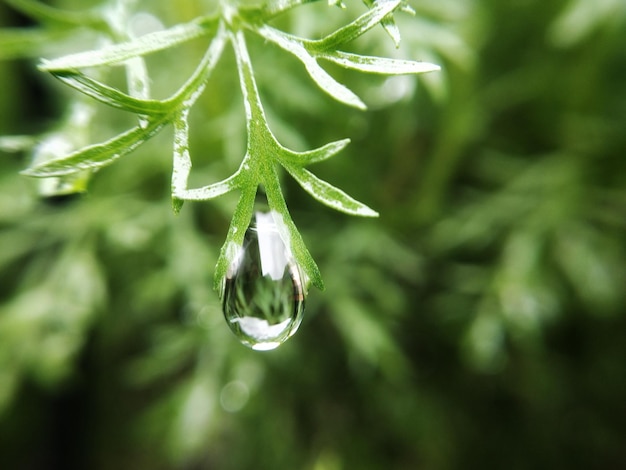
[(264, 289), (60, 190)]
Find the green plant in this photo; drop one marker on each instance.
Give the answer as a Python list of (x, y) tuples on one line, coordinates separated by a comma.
[(228, 25), (488, 299)]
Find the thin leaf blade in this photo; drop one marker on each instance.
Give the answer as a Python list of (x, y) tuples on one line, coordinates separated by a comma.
[(234, 238), (379, 65), (356, 28), (109, 95), (328, 194), (322, 78), (96, 156), (119, 53), (388, 23), (313, 156), (288, 230)]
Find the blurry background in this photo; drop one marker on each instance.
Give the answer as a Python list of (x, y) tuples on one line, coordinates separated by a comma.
[(479, 323)]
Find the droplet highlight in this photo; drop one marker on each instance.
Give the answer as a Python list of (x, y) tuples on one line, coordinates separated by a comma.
[(60, 190), (264, 288)]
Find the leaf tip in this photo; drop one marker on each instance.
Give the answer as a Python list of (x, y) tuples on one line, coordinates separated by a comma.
[(343, 143), (177, 204), (314, 278), (426, 67), (358, 104), (37, 171), (337, 3), (28, 172), (366, 212)]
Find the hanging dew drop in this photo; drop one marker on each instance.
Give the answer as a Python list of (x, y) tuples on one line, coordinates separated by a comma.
[(264, 288)]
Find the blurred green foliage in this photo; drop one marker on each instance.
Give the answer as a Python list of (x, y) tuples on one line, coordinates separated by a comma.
[(477, 324)]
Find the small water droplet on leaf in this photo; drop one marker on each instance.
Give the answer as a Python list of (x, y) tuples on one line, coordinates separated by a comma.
[(264, 288), (61, 190)]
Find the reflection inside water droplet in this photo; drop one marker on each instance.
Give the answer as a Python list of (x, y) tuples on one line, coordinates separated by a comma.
[(264, 289)]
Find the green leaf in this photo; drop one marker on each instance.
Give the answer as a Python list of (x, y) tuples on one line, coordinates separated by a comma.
[(328, 194), (181, 164), (313, 156), (96, 156), (318, 74), (388, 23), (108, 95), (288, 230), (355, 29), (406, 8), (336, 3), (259, 166), (147, 44), (211, 191), (379, 65), (234, 238)]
